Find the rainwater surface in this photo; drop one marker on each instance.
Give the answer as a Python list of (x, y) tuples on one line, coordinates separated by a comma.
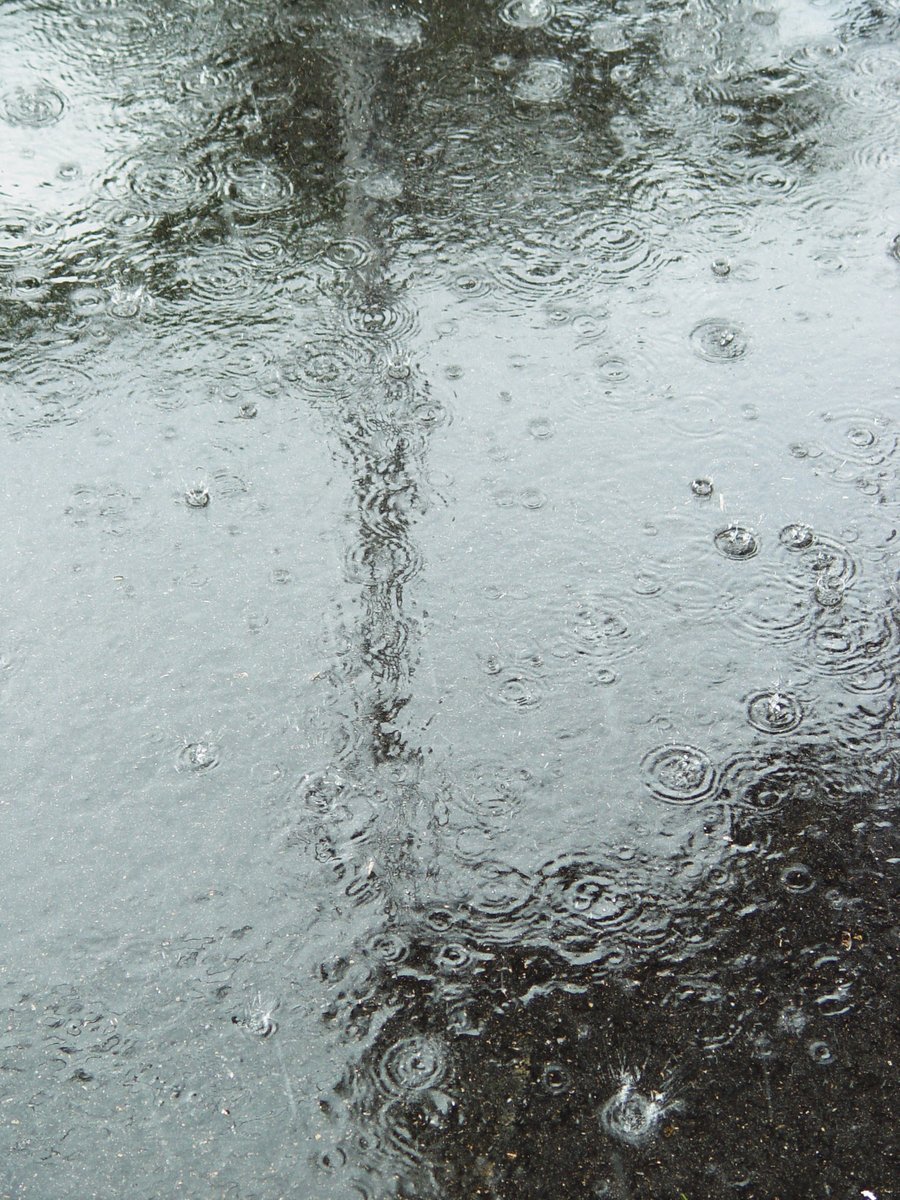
[(449, 660)]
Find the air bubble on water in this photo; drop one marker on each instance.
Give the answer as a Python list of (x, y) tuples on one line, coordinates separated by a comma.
[(820, 1052), (797, 878), (702, 488), (556, 1079)]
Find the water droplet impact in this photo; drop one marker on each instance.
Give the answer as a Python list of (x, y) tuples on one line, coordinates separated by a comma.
[(774, 712), (679, 774), (197, 497), (247, 411), (542, 81), (629, 1116), (412, 1065), (198, 756), (721, 267), (796, 537), (719, 341), (735, 541), (527, 14), (32, 106), (702, 487)]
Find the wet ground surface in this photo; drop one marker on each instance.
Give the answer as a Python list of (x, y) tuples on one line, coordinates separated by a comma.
[(450, 661)]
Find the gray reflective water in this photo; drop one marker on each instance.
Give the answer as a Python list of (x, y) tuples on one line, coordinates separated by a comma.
[(451, 647)]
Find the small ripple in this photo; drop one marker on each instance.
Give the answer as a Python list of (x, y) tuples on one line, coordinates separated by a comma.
[(621, 248), (679, 774), (774, 712), (542, 82), (797, 878), (534, 269), (388, 948), (387, 560), (719, 341), (794, 785), (41, 395), (347, 254), (161, 184), (255, 186)]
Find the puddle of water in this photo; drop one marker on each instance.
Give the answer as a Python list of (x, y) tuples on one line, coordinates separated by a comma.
[(450, 459)]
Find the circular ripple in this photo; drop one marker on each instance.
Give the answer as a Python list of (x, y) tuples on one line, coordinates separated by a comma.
[(518, 689), (329, 368), (719, 341), (679, 774), (760, 788), (381, 318), (528, 14), (737, 542), (412, 1065), (501, 905), (620, 248), (589, 907), (542, 82), (866, 438), (348, 254), (495, 792), (256, 186), (32, 105), (536, 269), (596, 628), (855, 640), (165, 185), (774, 712)]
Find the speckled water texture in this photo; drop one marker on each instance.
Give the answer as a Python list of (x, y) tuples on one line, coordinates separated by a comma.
[(449, 664)]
